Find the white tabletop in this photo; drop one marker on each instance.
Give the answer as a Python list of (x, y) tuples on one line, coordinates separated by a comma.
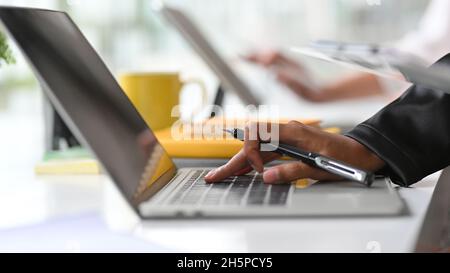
[(56, 201), (391, 234)]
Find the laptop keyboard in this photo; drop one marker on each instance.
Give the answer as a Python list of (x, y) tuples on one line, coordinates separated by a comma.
[(244, 190)]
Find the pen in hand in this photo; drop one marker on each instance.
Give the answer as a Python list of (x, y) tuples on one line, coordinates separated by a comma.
[(315, 160)]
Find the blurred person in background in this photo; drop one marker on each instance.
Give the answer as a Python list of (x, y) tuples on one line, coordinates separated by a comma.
[(430, 41)]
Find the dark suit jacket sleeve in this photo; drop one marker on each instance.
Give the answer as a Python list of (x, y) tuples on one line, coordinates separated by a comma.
[(412, 134)]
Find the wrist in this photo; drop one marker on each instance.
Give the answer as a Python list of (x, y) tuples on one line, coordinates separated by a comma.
[(366, 159)]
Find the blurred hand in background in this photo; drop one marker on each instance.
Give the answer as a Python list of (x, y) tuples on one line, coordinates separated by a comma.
[(297, 78)]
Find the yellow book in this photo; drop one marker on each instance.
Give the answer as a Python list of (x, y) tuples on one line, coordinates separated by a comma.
[(204, 146), (79, 161)]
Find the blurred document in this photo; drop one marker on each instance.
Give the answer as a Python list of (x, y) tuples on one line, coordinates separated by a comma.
[(382, 61)]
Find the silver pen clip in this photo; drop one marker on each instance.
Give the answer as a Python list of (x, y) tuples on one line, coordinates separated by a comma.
[(344, 171)]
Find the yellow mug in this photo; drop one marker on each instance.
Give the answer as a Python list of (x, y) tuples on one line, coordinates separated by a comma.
[(155, 94)]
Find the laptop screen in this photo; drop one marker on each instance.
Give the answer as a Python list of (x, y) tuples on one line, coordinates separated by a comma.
[(90, 101)]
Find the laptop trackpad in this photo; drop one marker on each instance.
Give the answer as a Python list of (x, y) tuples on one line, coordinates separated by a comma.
[(349, 198)]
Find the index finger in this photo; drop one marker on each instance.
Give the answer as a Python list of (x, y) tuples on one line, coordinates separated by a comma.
[(252, 147), (237, 163)]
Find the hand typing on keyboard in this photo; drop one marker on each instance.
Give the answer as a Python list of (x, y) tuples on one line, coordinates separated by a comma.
[(244, 190), (305, 137)]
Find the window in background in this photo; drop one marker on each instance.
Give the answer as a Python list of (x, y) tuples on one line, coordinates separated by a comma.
[(129, 36)]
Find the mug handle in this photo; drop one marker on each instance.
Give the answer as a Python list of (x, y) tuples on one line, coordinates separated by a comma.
[(204, 94)]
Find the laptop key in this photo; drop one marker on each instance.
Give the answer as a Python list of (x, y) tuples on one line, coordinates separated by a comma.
[(215, 194), (279, 194), (257, 193), (256, 199)]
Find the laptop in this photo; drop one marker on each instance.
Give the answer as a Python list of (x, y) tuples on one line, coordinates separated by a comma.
[(195, 38), (95, 108)]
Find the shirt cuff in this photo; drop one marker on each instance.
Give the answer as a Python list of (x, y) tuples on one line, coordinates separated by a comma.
[(400, 168)]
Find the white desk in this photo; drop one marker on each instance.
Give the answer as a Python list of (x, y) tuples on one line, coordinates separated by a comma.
[(395, 234), (56, 197)]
